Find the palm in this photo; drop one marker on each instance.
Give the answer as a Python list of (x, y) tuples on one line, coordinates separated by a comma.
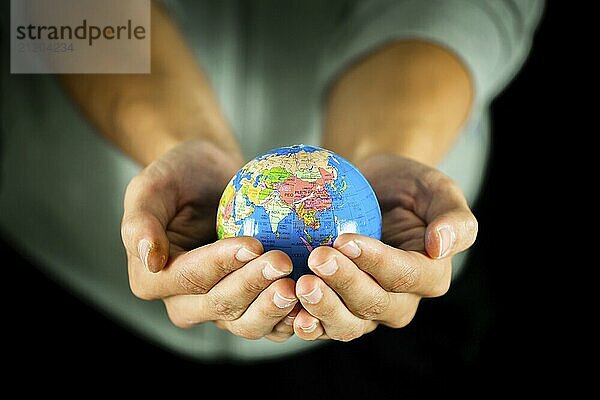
[(193, 224), (403, 229), (396, 182), (198, 174)]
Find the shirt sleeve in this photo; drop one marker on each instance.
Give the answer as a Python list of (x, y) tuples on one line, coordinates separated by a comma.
[(491, 37)]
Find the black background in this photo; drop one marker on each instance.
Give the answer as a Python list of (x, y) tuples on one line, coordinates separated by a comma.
[(491, 328)]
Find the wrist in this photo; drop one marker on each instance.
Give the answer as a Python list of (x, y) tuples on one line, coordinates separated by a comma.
[(151, 132), (410, 98), (415, 142)]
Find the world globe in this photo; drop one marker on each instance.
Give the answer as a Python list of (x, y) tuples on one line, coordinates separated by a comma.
[(297, 198)]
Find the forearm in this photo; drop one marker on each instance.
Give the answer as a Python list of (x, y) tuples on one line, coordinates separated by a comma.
[(147, 114), (409, 98)]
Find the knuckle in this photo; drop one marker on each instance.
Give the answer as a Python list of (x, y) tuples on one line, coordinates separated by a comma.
[(134, 184), (432, 178), (246, 332), (145, 182), (189, 281), (472, 228), (179, 321), (406, 280), (403, 318), (141, 184), (222, 265), (225, 308), (441, 288), (402, 321), (251, 286), (373, 308), (353, 332), (270, 313), (324, 310), (445, 182), (344, 282), (435, 178), (140, 291), (373, 262), (129, 225), (126, 228)]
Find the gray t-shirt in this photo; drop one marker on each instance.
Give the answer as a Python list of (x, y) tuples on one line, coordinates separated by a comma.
[(62, 184)]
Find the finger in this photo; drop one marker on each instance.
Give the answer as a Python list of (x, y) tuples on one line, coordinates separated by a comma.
[(320, 301), (307, 327), (230, 297), (359, 291), (145, 217), (403, 307), (394, 269), (451, 226), (196, 271), (270, 307), (184, 311), (450, 233), (285, 328), (363, 296), (144, 238), (278, 337)]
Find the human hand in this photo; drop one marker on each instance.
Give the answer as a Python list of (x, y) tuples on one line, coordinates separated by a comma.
[(168, 230), (362, 282)]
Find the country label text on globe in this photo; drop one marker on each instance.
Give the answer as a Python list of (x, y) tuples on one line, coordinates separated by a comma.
[(298, 198)]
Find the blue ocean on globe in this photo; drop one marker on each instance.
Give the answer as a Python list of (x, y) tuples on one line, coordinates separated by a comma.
[(298, 198)]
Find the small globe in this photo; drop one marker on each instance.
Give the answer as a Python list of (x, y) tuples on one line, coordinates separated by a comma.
[(298, 198)]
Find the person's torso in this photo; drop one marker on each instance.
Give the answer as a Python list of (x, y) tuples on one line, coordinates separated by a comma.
[(62, 183)]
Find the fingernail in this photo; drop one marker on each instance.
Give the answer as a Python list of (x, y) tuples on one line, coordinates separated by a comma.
[(446, 237), (144, 247), (245, 255), (328, 268), (350, 249), (310, 328), (288, 320), (314, 296), (271, 273), (282, 302)]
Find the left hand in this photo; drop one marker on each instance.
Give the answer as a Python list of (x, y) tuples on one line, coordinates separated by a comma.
[(169, 234), (362, 282)]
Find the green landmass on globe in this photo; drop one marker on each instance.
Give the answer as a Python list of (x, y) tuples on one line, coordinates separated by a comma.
[(297, 198)]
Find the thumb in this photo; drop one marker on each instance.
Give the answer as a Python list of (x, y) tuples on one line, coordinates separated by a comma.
[(144, 237), (450, 233), (143, 228)]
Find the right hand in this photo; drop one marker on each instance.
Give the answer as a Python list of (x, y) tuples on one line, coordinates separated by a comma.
[(168, 230)]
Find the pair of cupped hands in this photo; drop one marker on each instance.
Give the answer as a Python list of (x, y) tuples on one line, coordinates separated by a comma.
[(168, 230)]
